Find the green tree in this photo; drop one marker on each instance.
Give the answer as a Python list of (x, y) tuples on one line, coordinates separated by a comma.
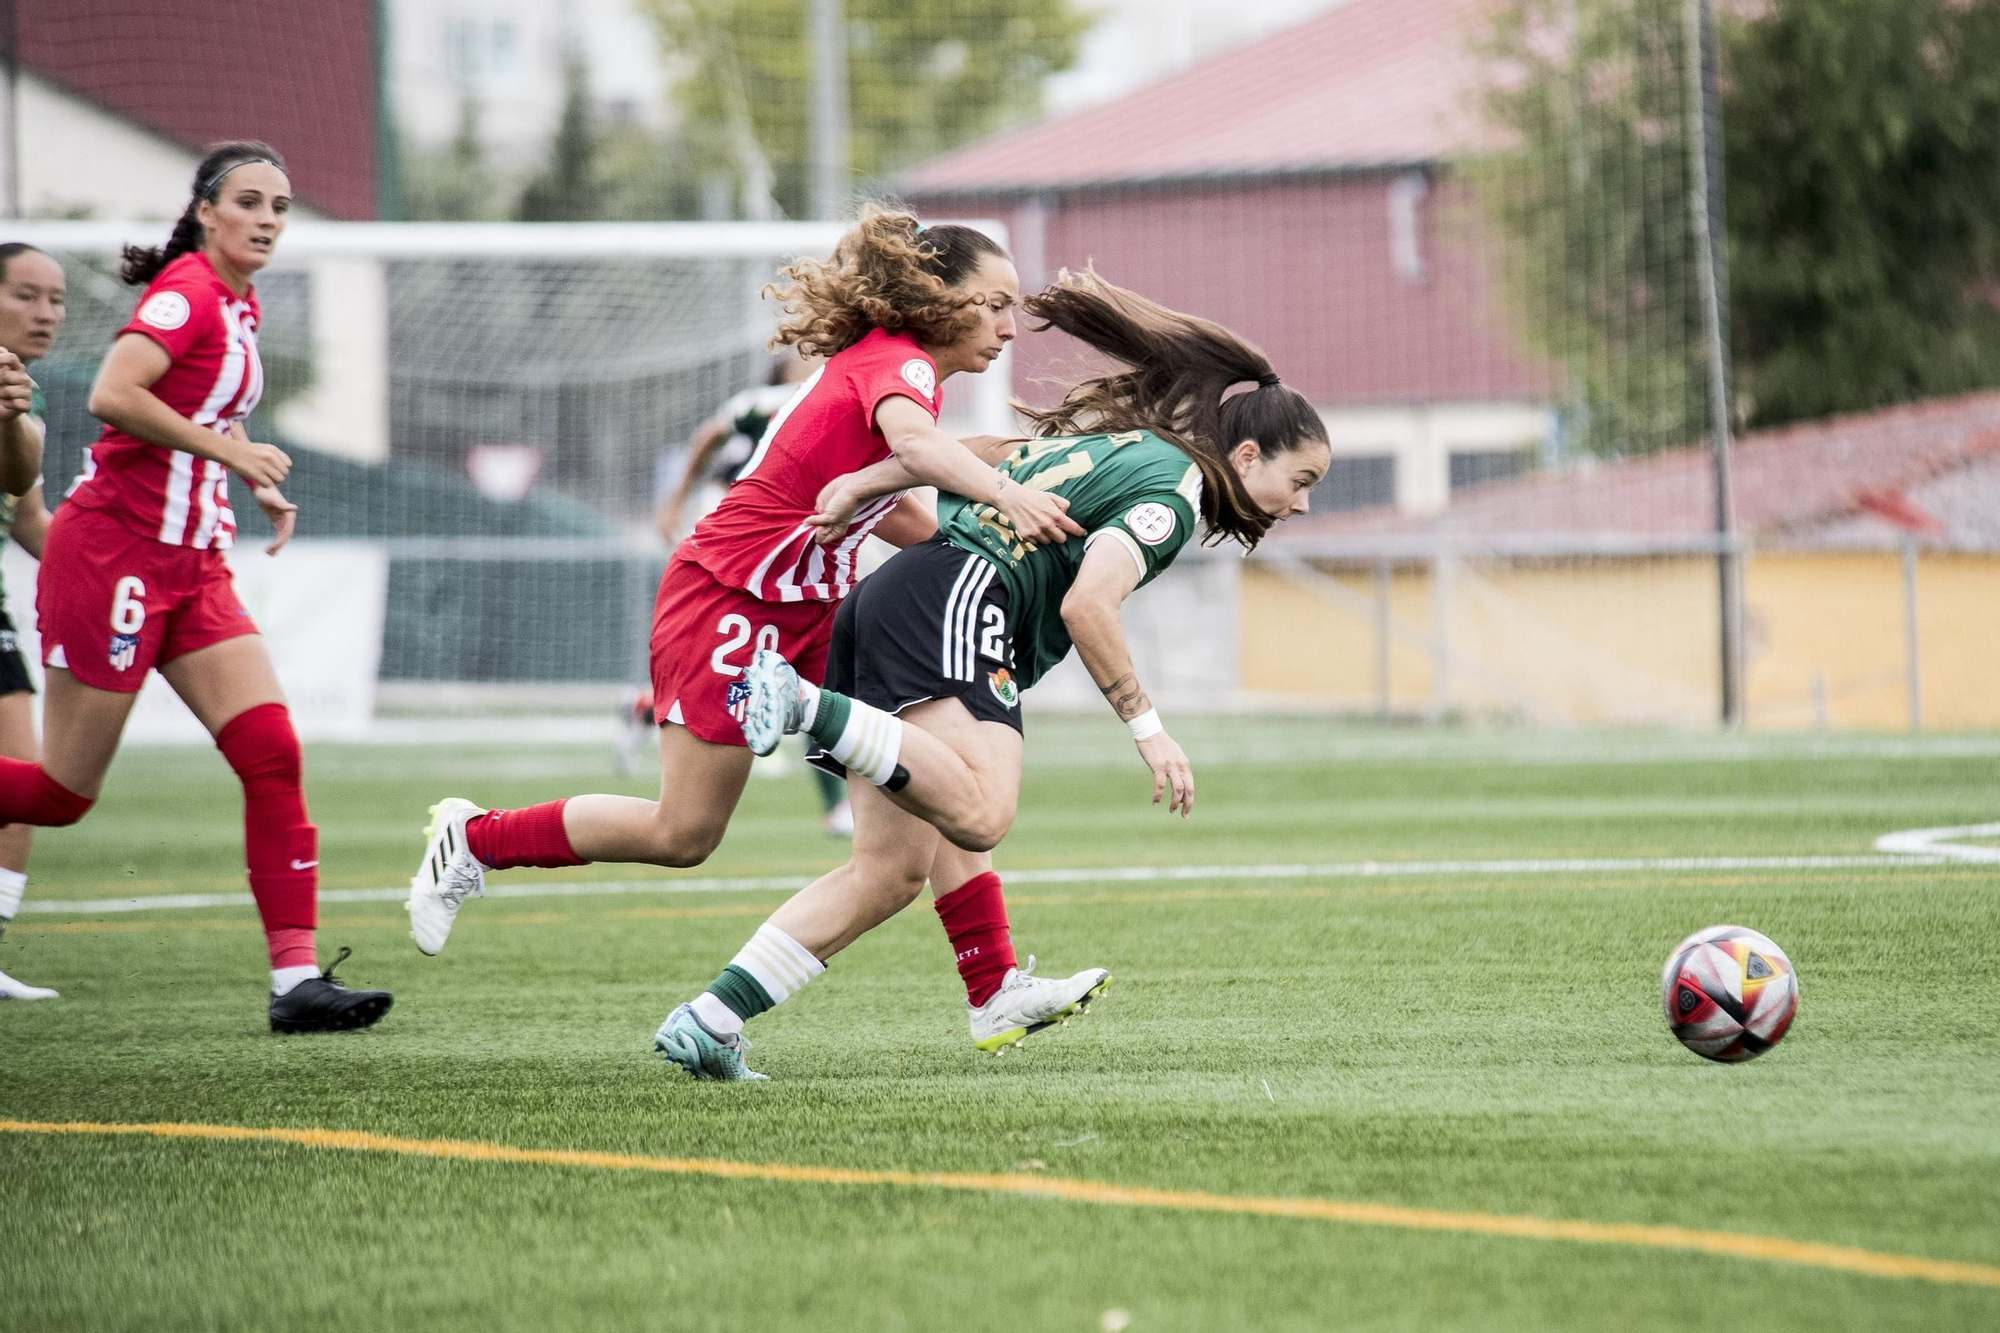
[(570, 187), (1862, 174), (922, 79), (452, 184)]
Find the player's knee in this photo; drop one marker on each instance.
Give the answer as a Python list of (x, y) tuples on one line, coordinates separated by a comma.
[(262, 746), (980, 831), (682, 847), (896, 884)]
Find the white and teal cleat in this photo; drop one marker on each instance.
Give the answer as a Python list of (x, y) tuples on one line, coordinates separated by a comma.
[(447, 876), (773, 709), (683, 1041), (1026, 1004), (12, 988)]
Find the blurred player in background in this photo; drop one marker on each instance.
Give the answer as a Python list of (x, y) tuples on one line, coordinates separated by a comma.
[(31, 314), (133, 575), (922, 704), (697, 478), (897, 309)]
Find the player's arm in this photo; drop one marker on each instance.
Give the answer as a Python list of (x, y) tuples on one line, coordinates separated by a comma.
[(909, 523), (933, 458), (844, 495), (701, 447), (123, 398), (21, 432), (1090, 612), (31, 522), (284, 515)]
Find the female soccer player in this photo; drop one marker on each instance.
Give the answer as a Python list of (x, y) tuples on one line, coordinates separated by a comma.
[(895, 311), (31, 314), (928, 659), (133, 575)]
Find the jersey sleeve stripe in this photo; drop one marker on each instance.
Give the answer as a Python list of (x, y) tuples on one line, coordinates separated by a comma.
[(1124, 539)]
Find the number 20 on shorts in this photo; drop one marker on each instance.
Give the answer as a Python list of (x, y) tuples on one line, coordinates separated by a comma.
[(736, 633)]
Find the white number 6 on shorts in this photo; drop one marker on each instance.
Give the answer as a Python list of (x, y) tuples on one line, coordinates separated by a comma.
[(128, 606)]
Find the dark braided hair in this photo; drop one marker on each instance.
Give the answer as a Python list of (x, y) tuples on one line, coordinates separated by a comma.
[(142, 263)]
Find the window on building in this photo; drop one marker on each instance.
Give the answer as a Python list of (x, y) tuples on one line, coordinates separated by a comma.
[(1355, 482), (480, 51), (1477, 467)]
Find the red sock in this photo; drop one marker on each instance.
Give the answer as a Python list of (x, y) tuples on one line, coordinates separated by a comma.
[(975, 917), (28, 795), (280, 844), (506, 839)]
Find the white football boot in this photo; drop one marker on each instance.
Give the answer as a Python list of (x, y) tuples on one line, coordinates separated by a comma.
[(448, 875), (12, 989), (1026, 1003), (774, 709)]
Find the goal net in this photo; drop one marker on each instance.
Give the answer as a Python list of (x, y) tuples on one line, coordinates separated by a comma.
[(482, 419)]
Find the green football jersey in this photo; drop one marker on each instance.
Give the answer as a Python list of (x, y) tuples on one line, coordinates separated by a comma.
[(1132, 488)]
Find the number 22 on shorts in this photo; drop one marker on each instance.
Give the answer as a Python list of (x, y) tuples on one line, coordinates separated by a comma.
[(736, 633)]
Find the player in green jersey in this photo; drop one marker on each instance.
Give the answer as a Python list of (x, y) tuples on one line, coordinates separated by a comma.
[(930, 654), (31, 313)]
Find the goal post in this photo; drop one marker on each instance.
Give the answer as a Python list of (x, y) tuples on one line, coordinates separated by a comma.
[(485, 407)]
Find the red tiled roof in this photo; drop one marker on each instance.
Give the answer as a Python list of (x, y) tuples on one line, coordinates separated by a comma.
[(1788, 481), (1373, 82), (301, 77)]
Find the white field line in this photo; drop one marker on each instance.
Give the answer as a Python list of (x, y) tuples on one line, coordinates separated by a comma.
[(1937, 842), (1076, 875)]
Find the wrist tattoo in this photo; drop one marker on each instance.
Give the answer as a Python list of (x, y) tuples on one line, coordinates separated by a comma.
[(1128, 700)]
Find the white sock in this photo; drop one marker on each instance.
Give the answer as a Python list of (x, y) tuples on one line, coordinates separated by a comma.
[(809, 699), (779, 964), (717, 1017), (870, 742), (283, 979), (12, 884)]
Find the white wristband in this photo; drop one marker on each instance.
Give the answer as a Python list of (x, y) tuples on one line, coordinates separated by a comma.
[(1146, 725)]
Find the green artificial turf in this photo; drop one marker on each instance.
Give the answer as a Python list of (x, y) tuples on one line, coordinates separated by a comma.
[(1478, 1043)]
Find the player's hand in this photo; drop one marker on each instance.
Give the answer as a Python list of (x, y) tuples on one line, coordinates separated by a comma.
[(17, 391), (833, 512), (1173, 776), (262, 465), (1038, 517), (284, 515)]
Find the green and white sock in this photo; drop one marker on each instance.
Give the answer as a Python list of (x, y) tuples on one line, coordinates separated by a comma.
[(859, 735), (770, 969)]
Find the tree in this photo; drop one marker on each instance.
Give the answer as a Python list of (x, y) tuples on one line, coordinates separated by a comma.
[(452, 185), (570, 186), (1863, 197), (922, 78)]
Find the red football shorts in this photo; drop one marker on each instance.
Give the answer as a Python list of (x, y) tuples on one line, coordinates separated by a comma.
[(113, 604), (703, 637)]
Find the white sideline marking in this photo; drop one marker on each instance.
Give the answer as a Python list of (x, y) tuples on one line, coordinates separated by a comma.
[(1078, 875), (1937, 842)]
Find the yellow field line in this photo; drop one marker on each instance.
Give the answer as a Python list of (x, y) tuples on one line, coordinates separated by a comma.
[(1729, 1244)]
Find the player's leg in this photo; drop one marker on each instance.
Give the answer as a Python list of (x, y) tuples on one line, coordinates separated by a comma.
[(1006, 1003), (892, 855), (700, 785), (17, 741), (230, 686)]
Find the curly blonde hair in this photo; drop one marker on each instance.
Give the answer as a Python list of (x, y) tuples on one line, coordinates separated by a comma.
[(889, 272)]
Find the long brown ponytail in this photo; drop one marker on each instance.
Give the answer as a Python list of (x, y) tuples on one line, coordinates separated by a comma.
[(1180, 366), (142, 263), (888, 272)]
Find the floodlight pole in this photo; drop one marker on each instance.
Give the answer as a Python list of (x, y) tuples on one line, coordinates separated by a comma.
[(830, 138), (10, 109), (1705, 211)]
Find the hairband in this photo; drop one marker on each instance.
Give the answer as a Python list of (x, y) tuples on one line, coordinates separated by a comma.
[(1267, 381), (207, 190)]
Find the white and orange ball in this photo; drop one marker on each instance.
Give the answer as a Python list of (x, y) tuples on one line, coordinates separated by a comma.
[(1729, 993)]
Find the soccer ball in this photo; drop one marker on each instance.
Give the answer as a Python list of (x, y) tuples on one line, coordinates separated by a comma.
[(1729, 993)]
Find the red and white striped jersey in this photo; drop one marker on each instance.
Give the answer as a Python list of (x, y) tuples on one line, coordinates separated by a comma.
[(757, 539), (214, 381)]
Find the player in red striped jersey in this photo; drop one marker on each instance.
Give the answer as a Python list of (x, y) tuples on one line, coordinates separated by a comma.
[(895, 311), (133, 574)]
